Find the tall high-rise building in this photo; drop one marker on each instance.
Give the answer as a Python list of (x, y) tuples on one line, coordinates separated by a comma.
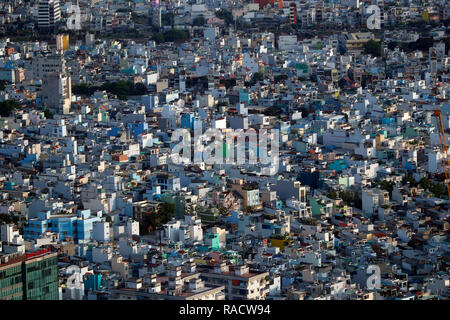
[(293, 13), (11, 280), (57, 92), (156, 17), (49, 14), (56, 82), (48, 63), (29, 277), (40, 277)]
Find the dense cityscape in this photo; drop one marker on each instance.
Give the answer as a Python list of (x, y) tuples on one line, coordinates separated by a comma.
[(224, 150)]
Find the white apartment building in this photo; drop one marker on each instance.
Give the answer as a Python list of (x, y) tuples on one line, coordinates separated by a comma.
[(240, 283), (49, 14), (101, 231), (188, 230), (373, 199), (9, 233)]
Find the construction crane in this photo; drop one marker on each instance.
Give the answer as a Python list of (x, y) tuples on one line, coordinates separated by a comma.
[(443, 145)]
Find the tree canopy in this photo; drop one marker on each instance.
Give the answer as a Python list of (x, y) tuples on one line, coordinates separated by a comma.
[(170, 36), (123, 89), (225, 15), (155, 220), (7, 106), (373, 47), (199, 21), (258, 76), (5, 218)]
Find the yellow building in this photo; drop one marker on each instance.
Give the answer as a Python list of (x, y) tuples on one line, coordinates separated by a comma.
[(62, 42)]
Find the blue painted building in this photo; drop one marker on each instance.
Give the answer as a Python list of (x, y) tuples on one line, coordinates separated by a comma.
[(92, 282), (191, 122), (138, 128), (114, 132), (187, 121), (78, 227), (244, 96), (338, 165)]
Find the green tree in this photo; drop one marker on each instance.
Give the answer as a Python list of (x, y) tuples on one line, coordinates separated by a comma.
[(199, 21), (392, 45), (140, 19), (258, 76), (139, 89), (273, 111), (447, 40), (225, 15), (5, 218), (7, 106), (123, 10), (84, 89), (174, 35), (373, 47), (123, 89), (155, 220), (438, 190), (388, 186), (48, 114), (280, 78), (168, 19), (333, 194), (425, 183), (158, 37), (347, 197), (410, 179), (305, 110), (358, 201)]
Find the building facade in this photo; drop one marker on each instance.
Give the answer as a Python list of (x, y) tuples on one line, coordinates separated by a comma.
[(33, 276), (49, 14)]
